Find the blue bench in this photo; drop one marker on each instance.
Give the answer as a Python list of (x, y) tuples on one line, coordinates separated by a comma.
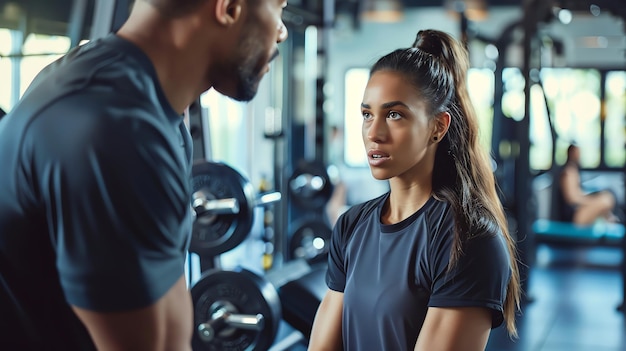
[(565, 233), (569, 234)]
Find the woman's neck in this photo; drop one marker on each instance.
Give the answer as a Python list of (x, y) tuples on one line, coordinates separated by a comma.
[(403, 201)]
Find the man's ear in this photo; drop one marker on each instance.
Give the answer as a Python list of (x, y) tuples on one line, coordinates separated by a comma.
[(228, 12)]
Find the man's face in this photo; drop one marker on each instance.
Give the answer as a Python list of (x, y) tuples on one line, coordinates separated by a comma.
[(257, 47)]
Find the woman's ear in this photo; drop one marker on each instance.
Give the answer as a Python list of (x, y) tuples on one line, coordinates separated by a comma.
[(442, 123), (227, 12)]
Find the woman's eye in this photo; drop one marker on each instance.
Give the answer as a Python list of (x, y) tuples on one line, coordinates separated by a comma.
[(394, 115), (366, 115)]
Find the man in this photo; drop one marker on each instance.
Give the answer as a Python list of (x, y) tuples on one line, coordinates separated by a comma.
[(94, 193)]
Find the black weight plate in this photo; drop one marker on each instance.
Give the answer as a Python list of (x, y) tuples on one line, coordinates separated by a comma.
[(310, 241), (249, 293), (214, 235), (310, 186)]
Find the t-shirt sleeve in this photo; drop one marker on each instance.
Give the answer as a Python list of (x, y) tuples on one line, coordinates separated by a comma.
[(116, 194), (479, 279)]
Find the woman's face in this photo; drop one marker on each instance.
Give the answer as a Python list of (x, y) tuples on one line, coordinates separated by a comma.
[(397, 130)]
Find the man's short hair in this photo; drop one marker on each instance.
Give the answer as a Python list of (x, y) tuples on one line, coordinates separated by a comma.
[(175, 8)]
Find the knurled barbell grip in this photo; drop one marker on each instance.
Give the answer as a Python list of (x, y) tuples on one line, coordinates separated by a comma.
[(222, 319)]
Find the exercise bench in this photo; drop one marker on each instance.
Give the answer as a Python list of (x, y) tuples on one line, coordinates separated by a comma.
[(599, 234)]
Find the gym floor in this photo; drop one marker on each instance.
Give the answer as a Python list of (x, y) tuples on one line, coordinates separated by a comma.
[(574, 295)]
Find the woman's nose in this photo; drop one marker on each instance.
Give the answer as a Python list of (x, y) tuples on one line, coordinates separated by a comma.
[(377, 130)]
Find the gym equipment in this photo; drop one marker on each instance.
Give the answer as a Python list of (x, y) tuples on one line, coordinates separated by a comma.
[(234, 310), (310, 185), (240, 310), (566, 233), (223, 203), (301, 288), (599, 234), (310, 241), (301, 297)]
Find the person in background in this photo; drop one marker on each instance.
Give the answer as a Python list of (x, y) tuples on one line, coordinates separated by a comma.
[(95, 212), (429, 265), (578, 206)]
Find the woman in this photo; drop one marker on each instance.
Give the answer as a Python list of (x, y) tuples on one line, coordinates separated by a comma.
[(579, 207), (429, 265)]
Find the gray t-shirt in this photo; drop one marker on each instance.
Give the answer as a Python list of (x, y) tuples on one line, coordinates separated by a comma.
[(391, 273), (94, 206)]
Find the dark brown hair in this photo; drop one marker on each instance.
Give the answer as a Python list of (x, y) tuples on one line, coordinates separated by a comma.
[(175, 8)]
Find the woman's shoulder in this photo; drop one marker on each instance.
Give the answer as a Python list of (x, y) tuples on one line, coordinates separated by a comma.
[(357, 213), (364, 208)]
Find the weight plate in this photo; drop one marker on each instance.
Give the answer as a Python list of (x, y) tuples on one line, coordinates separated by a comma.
[(311, 241), (215, 234), (249, 293), (310, 185)]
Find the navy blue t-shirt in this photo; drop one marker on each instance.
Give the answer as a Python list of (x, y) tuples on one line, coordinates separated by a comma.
[(94, 195), (391, 273)]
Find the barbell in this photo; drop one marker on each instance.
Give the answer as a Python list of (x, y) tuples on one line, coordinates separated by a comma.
[(234, 310), (240, 310), (222, 202)]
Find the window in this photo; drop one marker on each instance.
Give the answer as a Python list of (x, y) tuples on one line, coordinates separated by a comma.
[(615, 112), (568, 98), (19, 64), (226, 121), (355, 82), (573, 97), (480, 84), (5, 69), (39, 51)]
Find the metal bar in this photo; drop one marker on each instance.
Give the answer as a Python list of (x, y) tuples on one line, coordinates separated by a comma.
[(216, 206), (109, 15), (102, 18), (17, 42), (268, 198), (76, 25)]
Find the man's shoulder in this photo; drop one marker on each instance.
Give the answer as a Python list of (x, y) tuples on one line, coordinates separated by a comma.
[(93, 80), (107, 65)]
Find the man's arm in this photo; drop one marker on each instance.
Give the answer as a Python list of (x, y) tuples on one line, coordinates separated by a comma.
[(455, 329), (165, 325), (326, 331)]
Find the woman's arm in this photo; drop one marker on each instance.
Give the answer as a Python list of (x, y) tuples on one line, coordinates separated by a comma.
[(326, 331), (570, 186), (455, 329)]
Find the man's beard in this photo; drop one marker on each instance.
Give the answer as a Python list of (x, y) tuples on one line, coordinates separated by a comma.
[(248, 78), (247, 84)]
